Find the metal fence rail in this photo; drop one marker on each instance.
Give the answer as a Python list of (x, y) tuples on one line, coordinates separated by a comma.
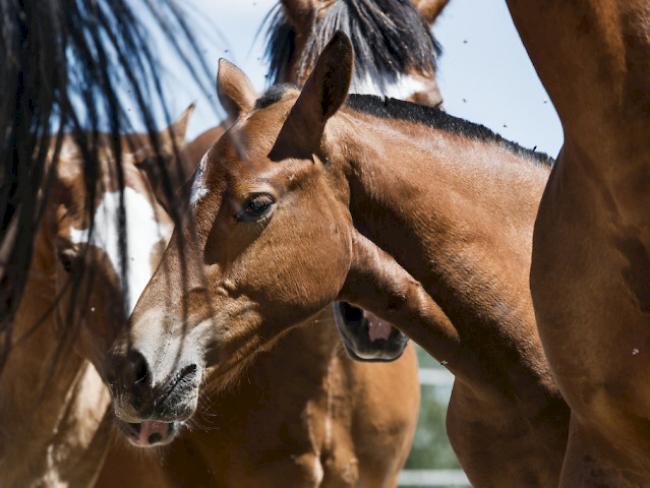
[(433, 477)]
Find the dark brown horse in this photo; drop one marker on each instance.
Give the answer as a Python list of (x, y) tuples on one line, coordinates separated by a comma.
[(590, 274), (421, 218)]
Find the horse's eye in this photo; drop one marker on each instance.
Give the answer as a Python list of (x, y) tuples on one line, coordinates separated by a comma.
[(256, 206)]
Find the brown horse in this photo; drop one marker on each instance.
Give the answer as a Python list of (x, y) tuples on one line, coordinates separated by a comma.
[(53, 427), (340, 409), (338, 423), (300, 204), (396, 56), (590, 273)]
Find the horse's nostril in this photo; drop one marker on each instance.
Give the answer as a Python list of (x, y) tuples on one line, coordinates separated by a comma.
[(350, 312), (155, 437), (189, 370), (139, 369)]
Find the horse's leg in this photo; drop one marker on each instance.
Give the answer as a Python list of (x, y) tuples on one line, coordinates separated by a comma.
[(591, 461)]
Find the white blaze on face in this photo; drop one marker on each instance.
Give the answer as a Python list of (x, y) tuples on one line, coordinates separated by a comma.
[(199, 189), (401, 87), (143, 233)]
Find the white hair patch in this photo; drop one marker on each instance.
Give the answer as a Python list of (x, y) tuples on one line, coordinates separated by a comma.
[(143, 232)]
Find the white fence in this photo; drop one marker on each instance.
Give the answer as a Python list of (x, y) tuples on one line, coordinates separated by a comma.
[(433, 477)]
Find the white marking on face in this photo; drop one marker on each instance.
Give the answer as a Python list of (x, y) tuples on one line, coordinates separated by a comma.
[(400, 87), (144, 232), (318, 472), (199, 189), (166, 345)]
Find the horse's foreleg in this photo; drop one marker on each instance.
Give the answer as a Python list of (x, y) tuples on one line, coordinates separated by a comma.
[(593, 461)]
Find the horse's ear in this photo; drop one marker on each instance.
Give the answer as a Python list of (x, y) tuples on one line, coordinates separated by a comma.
[(170, 139), (178, 129), (235, 90), (430, 9), (299, 13), (323, 94), (167, 158)]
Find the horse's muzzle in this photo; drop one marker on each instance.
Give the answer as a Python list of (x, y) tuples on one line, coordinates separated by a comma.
[(366, 337), (150, 414)]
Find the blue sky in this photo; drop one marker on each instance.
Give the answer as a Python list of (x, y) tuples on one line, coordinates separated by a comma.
[(485, 74)]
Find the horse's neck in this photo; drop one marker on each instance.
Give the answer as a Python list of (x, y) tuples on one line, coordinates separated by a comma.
[(298, 378), (309, 347), (458, 215), (47, 416)]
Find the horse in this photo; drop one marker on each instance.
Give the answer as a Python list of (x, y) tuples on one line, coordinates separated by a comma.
[(340, 423), (590, 266), (399, 60), (396, 56), (54, 422), (419, 217), (321, 449)]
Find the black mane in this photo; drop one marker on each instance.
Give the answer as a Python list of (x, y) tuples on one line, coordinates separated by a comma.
[(390, 108), (388, 36), (273, 94)]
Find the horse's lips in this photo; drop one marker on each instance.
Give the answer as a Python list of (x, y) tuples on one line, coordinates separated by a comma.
[(151, 432), (377, 328)]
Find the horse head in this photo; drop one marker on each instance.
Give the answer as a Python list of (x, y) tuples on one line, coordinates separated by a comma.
[(95, 289), (272, 241)]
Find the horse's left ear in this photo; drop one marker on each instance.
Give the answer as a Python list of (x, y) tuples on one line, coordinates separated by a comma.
[(321, 97), (167, 159), (235, 90)]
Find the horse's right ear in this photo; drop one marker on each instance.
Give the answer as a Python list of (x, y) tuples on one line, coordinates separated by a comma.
[(235, 90), (430, 9), (323, 94)]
